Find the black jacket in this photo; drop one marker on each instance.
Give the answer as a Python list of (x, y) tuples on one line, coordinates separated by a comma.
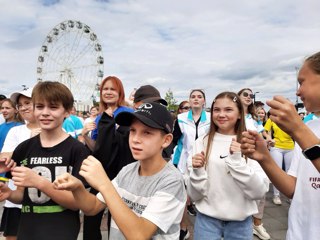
[(112, 146)]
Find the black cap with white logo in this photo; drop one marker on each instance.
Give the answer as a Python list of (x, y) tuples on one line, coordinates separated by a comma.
[(153, 115)]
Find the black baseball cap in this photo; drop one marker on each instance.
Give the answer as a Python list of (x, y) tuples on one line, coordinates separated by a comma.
[(152, 114), (2, 97), (148, 93)]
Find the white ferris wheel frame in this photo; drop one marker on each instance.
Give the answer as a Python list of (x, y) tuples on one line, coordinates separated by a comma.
[(71, 54)]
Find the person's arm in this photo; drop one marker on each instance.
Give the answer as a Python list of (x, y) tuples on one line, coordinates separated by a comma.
[(112, 146), (284, 114), (6, 163), (86, 201), (176, 133), (85, 131), (251, 183), (106, 133), (89, 142), (197, 185), (25, 177), (198, 182), (131, 225), (6, 193), (254, 147)]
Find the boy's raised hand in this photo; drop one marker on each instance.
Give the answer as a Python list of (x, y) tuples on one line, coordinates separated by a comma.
[(92, 170), (253, 145), (235, 146), (67, 182), (5, 191), (198, 160)]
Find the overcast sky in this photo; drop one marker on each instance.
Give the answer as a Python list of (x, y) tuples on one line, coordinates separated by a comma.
[(177, 44)]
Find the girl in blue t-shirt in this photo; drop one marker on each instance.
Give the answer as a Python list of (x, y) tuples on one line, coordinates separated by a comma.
[(12, 118)]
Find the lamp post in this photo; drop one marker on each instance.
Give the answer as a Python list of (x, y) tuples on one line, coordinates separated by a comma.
[(297, 86), (254, 96)]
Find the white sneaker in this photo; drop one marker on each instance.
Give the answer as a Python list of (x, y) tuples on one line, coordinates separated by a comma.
[(260, 232), (276, 200)]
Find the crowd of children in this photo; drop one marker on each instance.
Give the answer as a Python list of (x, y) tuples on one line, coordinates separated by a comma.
[(147, 168)]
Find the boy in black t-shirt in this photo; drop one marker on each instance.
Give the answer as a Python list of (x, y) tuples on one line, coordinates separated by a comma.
[(47, 213)]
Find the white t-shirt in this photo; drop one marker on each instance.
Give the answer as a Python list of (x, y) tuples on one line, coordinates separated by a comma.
[(304, 212), (88, 120), (252, 124), (15, 136), (160, 198)]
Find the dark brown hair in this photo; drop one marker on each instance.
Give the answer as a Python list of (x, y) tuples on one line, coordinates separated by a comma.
[(53, 92), (251, 107), (198, 90), (181, 105)]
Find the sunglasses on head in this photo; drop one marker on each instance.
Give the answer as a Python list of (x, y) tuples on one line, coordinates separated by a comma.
[(245, 94), (185, 108)]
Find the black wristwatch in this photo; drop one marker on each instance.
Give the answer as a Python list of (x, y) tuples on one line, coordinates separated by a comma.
[(312, 153)]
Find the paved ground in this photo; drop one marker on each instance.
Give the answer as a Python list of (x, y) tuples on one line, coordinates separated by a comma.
[(275, 220)]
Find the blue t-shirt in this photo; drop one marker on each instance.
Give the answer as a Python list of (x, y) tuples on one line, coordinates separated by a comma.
[(4, 129), (73, 126), (94, 133), (309, 117)]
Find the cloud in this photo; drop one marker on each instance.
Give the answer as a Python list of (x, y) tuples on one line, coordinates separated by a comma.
[(181, 45)]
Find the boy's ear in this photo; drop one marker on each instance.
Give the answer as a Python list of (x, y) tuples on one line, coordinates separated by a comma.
[(67, 114), (167, 140)]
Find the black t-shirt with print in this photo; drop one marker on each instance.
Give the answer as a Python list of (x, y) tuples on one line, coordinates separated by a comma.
[(41, 217)]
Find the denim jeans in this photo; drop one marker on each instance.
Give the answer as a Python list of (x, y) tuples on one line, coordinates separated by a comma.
[(209, 228), (281, 156)]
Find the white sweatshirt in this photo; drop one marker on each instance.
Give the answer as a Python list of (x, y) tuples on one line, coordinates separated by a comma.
[(229, 185)]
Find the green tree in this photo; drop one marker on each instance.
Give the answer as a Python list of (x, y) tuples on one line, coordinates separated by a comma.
[(172, 102)]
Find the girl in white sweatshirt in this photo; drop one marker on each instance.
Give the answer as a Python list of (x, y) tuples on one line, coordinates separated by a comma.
[(223, 184)]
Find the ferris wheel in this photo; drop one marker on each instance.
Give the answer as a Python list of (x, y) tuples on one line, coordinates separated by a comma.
[(71, 54)]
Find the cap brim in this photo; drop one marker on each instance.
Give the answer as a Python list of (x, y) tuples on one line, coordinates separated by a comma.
[(27, 93), (155, 99), (126, 118)]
